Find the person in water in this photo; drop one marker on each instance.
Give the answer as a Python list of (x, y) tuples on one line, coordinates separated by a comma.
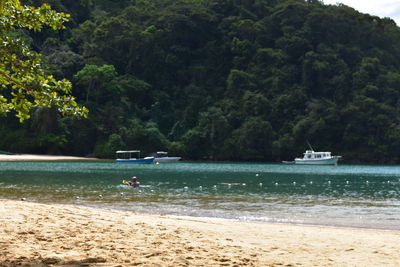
[(134, 182)]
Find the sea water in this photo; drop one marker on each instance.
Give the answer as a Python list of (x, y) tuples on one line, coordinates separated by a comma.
[(345, 195)]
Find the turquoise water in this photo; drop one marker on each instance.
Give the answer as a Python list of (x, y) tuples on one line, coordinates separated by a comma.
[(344, 195)]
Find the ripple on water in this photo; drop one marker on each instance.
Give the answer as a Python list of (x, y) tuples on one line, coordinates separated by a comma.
[(344, 195)]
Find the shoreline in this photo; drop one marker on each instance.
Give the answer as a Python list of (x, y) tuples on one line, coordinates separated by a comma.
[(45, 234), (195, 217), (44, 157), (37, 157)]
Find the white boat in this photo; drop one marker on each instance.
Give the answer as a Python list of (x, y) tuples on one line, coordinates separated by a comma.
[(317, 158), (161, 157), (126, 157)]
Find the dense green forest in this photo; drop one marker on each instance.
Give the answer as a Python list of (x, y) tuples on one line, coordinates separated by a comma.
[(248, 80)]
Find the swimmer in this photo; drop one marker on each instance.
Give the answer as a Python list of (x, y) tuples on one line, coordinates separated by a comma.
[(134, 182)]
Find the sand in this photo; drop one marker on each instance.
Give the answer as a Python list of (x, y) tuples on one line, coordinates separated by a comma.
[(34, 234), (32, 157)]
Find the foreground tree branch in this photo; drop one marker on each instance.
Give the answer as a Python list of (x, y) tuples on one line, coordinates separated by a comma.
[(23, 83)]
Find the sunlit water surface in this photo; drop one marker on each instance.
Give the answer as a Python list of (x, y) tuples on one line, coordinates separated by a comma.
[(344, 195)]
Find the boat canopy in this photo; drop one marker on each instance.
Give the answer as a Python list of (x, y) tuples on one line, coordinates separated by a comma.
[(127, 154), (162, 153), (127, 151)]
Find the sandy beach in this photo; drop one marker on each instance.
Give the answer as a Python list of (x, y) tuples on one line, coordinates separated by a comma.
[(35, 234), (34, 157)]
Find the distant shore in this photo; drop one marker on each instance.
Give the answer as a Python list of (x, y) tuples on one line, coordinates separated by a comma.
[(34, 157), (37, 157), (40, 235)]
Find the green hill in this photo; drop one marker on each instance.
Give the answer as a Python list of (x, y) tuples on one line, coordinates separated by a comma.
[(220, 79)]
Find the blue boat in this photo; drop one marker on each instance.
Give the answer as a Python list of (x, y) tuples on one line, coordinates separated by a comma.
[(126, 157)]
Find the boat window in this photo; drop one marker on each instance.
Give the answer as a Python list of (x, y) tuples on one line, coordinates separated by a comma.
[(123, 155)]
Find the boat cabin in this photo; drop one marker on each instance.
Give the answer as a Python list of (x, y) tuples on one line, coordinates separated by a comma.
[(162, 154), (310, 154)]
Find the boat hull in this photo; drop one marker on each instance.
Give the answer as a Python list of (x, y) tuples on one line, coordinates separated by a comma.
[(167, 159), (136, 161), (330, 161)]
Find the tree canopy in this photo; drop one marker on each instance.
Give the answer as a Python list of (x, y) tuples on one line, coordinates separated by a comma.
[(207, 79)]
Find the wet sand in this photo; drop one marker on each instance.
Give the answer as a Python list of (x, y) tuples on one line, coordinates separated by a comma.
[(60, 235)]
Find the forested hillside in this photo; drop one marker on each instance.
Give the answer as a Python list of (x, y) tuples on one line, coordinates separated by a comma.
[(248, 80)]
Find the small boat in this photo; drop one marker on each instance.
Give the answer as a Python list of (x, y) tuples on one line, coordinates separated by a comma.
[(317, 158), (161, 157), (126, 157)]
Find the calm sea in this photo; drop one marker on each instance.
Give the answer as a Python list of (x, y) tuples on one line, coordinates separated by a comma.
[(344, 195)]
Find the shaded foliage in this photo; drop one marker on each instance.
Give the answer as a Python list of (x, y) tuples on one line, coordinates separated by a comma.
[(222, 80)]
